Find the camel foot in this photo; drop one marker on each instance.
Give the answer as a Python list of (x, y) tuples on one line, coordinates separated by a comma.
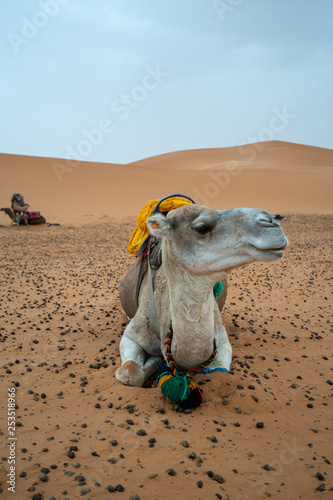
[(131, 373)]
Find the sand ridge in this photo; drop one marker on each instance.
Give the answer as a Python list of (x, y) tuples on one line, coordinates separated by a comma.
[(277, 176)]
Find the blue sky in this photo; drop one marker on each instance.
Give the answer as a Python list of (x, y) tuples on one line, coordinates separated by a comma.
[(120, 80)]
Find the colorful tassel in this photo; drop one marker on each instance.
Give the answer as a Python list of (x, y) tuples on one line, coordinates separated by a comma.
[(180, 387)]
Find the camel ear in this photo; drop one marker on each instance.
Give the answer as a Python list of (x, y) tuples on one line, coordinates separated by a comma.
[(158, 225)]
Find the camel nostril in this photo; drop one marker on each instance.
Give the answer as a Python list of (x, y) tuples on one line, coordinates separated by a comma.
[(268, 221)]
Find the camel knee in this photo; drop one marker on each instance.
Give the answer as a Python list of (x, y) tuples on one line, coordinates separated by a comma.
[(131, 373)]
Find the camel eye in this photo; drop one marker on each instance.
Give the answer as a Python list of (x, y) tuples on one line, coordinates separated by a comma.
[(203, 229)]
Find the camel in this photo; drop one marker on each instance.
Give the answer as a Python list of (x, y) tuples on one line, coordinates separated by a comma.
[(26, 220), (200, 246)]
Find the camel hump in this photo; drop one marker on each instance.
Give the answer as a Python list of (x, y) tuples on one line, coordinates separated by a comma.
[(127, 289)]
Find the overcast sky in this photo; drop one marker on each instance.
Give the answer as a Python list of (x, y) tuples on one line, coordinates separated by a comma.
[(121, 80)]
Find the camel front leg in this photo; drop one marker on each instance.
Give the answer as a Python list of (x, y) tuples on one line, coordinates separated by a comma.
[(224, 351), (137, 365)]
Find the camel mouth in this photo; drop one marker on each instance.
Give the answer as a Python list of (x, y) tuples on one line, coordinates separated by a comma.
[(278, 252)]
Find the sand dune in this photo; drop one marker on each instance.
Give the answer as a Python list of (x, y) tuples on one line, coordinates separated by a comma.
[(270, 155), (279, 177)]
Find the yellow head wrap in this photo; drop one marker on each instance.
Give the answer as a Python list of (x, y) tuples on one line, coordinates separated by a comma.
[(141, 231)]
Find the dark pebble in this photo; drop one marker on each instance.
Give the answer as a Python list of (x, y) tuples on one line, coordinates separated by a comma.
[(110, 489), (141, 432), (130, 421), (260, 425), (319, 476), (310, 405), (37, 496), (23, 474), (97, 405), (43, 477), (200, 484), (119, 487), (45, 470), (321, 487), (219, 478), (210, 473), (267, 467), (71, 454), (171, 472), (152, 440)]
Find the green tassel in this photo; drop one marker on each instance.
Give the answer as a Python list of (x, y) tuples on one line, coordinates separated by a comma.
[(174, 388), (218, 288), (180, 389)]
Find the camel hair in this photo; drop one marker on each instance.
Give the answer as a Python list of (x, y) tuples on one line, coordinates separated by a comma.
[(200, 246)]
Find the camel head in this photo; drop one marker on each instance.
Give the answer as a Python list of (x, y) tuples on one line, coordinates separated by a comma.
[(206, 241)]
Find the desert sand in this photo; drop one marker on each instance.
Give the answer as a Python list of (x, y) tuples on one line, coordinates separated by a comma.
[(263, 431)]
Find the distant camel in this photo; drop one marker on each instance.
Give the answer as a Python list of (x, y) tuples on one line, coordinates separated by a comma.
[(27, 220), (199, 247)]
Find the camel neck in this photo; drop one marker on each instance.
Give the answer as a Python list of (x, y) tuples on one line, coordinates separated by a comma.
[(192, 314)]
